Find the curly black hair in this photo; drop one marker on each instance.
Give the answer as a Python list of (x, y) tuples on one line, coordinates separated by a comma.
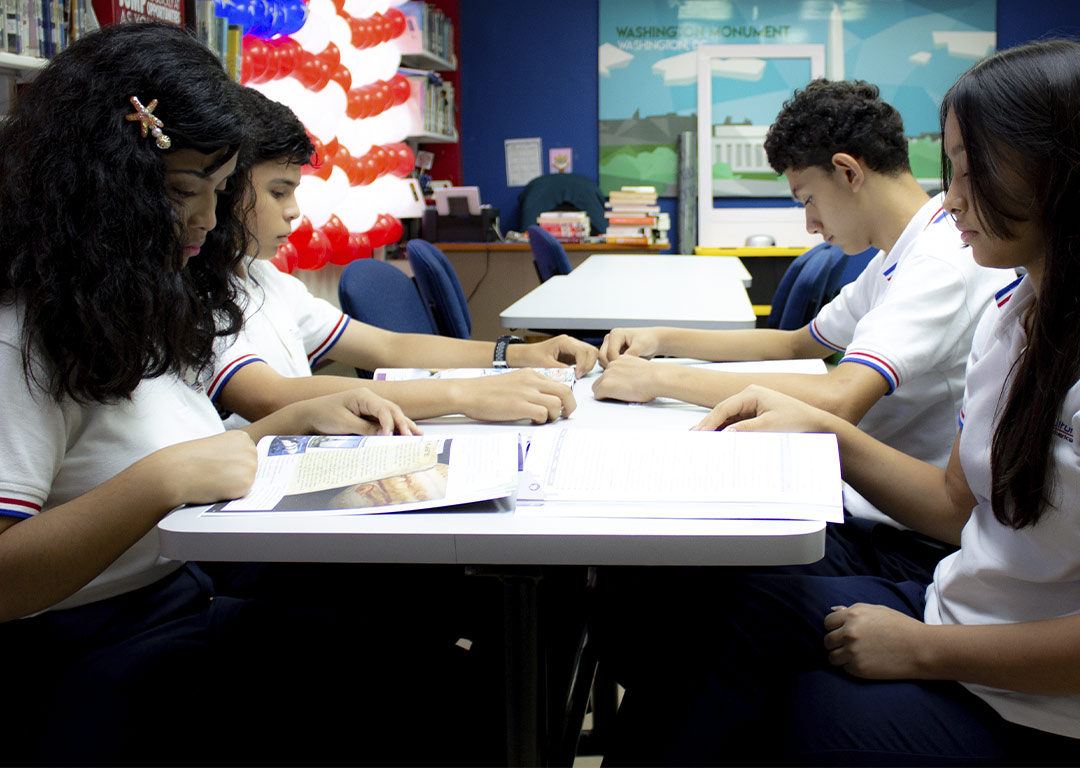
[(1017, 113), (90, 249), (837, 116), (273, 132)]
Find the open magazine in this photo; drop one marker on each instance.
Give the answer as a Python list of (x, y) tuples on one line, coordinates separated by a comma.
[(563, 375), (348, 474)]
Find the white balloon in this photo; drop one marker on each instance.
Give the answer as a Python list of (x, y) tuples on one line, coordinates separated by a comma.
[(355, 136), (314, 36), (361, 63), (357, 210), (340, 33), (358, 9)]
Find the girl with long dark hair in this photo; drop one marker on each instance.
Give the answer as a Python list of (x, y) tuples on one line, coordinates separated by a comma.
[(119, 238)]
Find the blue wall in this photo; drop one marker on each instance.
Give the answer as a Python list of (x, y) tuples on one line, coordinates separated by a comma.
[(528, 68)]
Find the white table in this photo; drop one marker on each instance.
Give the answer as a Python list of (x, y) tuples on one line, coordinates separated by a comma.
[(675, 267), (494, 536), (682, 291)]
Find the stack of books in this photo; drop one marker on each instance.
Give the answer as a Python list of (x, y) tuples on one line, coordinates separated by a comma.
[(634, 217), (566, 226)]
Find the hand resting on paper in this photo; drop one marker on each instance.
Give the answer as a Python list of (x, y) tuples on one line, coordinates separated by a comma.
[(758, 409), (630, 379), (357, 411), (513, 396)]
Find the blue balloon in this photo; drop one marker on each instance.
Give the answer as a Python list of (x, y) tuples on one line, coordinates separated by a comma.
[(295, 16)]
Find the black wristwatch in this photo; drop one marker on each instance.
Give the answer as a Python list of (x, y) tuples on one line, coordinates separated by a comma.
[(501, 344)]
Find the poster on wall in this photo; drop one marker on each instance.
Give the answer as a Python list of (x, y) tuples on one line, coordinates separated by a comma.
[(913, 50)]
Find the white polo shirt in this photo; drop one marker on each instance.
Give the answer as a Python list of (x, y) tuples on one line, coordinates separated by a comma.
[(284, 326), (54, 453), (910, 316), (999, 574)]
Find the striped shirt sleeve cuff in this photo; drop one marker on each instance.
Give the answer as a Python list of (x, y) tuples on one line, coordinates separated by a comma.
[(18, 508), (226, 373), (878, 364), (331, 339)]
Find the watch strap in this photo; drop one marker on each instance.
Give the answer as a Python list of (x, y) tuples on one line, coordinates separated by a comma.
[(499, 360)]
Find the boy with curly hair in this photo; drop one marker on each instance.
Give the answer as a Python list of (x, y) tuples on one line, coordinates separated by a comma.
[(904, 326)]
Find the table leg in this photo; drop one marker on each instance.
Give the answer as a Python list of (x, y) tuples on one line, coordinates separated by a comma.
[(525, 681)]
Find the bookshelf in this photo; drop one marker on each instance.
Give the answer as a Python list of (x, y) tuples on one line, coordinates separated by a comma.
[(427, 50)]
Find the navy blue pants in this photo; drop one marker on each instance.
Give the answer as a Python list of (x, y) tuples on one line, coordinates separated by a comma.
[(727, 666), (174, 674)]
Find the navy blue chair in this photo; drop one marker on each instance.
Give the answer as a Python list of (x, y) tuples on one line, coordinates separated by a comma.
[(811, 281), (549, 256), (440, 289), (380, 294)]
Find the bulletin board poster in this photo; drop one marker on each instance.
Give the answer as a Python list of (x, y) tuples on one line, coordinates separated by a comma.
[(913, 50)]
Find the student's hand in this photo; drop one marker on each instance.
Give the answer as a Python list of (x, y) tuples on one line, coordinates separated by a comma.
[(513, 396), (874, 641), (354, 412), (630, 379), (207, 470), (554, 353), (636, 342), (757, 409)]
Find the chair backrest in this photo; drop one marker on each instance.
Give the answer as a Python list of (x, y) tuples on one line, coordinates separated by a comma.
[(440, 288), (549, 256), (380, 294), (563, 192), (802, 289)]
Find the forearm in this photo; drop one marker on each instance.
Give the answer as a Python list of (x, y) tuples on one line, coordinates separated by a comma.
[(720, 346), (910, 491), (415, 350), (48, 557), (1031, 657)]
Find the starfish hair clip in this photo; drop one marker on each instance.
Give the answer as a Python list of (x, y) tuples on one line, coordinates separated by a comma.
[(149, 123)]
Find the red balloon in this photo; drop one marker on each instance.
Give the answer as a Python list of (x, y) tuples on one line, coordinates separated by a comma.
[(369, 168), (342, 159), (318, 157), (397, 22), (339, 6), (379, 233), (300, 236), (342, 77), (288, 56), (336, 232), (400, 88), (376, 21), (359, 33), (406, 161), (273, 63), (307, 69), (395, 229), (359, 245), (286, 257), (259, 52), (316, 253), (246, 66), (331, 56), (381, 158), (386, 96)]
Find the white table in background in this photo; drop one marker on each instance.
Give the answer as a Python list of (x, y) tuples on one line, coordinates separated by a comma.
[(601, 299), (667, 267), (492, 535)]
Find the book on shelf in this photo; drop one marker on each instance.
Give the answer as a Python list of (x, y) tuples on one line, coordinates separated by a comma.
[(581, 472), (563, 375)]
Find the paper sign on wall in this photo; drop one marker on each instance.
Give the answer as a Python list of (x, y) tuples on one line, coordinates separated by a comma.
[(522, 161)]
